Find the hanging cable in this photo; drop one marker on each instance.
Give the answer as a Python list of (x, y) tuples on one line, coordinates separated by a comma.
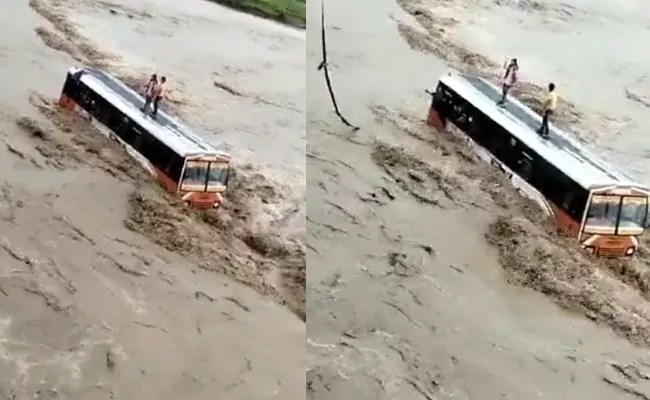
[(323, 66)]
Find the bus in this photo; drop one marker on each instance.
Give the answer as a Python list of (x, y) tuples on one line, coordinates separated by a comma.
[(603, 208), (182, 162)]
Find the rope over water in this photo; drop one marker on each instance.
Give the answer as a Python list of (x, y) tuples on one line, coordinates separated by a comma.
[(323, 66)]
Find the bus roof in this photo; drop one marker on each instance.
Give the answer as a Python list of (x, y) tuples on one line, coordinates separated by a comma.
[(168, 130), (560, 150)]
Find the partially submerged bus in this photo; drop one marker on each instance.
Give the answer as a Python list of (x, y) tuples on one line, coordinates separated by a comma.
[(603, 208), (182, 162)]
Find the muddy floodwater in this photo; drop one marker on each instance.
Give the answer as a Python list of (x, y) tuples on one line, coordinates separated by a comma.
[(429, 277), (108, 288)]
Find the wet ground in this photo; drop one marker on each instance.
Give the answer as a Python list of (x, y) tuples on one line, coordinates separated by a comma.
[(108, 288), (421, 259)]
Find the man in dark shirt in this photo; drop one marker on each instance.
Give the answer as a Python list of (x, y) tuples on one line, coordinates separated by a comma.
[(148, 92), (158, 94)]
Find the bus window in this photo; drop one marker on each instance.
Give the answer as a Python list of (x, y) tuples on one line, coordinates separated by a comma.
[(494, 137), (174, 167), (438, 97), (634, 210), (477, 129), (603, 213), (196, 175), (525, 166), (578, 202), (460, 115), (567, 201), (442, 101), (218, 176), (84, 97), (70, 87), (443, 96), (103, 111)]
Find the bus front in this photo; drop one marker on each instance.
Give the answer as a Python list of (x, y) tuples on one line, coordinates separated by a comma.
[(204, 181), (614, 221)]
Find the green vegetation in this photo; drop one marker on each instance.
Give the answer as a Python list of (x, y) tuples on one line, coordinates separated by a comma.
[(289, 12)]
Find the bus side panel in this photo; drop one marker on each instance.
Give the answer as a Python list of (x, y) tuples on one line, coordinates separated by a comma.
[(434, 117), (564, 221), (110, 130), (540, 181), (65, 101), (166, 182)]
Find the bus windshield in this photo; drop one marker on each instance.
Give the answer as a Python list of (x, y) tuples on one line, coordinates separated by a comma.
[(612, 214), (205, 176), (634, 210), (196, 174)]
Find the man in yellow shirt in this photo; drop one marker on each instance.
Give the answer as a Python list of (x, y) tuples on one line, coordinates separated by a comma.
[(549, 105)]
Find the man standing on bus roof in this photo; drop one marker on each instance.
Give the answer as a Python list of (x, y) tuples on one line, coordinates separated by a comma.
[(549, 105), (509, 80), (158, 94), (148, 92)]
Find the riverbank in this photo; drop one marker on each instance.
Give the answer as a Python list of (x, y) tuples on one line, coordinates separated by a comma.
[(288, 12)]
